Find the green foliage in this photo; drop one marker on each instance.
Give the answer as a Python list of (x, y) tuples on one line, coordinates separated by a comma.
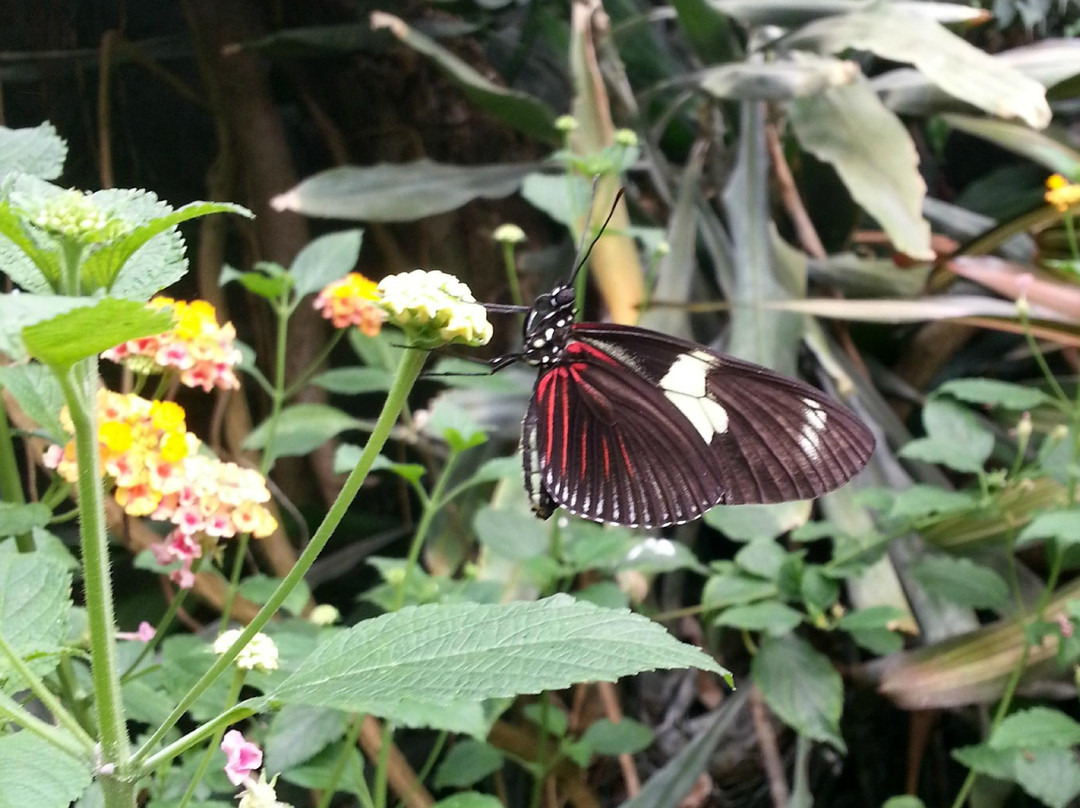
[(35, 598), (35, 773)]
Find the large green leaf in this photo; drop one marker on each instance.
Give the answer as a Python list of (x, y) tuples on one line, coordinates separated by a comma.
[(400, 192), (882, 172), (38, 151), (520, 110), (802, 687), (771, 616), (1036, 727), (35, 597), (85, 332), (443, 654), (467, 763), (17, 311), (1045, 149), (962, 581), (960, 69), (301, 428), (17, 518), (1060, 525), (297, 733), (36, 773), (1051, 775), (995, 393), (36, 390), (325, 259), (748, 522), (955, 437)]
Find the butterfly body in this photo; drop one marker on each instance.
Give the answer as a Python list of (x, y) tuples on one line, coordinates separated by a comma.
[(637, 428)]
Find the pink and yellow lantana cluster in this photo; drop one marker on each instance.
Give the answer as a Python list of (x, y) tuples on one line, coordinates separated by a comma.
[(352, 301), (201, 351), (159, 472)]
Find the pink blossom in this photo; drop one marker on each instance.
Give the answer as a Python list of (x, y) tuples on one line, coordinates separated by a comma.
[(183, 577), (242, 756), (145, 633)]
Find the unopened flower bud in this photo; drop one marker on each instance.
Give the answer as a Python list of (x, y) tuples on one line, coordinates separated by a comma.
[(566, 123), (324, 615), (626, 137), (509, 234)]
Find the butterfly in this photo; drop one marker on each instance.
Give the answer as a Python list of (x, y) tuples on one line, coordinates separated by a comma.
[(634, 427)]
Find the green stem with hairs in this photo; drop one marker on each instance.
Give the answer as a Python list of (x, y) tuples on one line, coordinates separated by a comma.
[(215, 738), (239, 712), (79, 385), (411, 364)]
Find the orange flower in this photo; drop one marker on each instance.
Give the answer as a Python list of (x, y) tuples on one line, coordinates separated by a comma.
[(352, 301)]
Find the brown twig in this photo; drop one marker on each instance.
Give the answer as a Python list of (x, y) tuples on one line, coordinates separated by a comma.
[(770, 751), (615, 715), (106, 56), (789, 195)]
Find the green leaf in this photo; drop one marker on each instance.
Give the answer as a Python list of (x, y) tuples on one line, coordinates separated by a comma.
[(1049, 775), (903, 801), (960, 69), (1036, 727), (496, 469), (84, 332), (878, 641), (521, 111), (259, 588), (605, 594), (297, 733), (34, 772), (962, 581), (301, 429), (794, 76), (107, 267), (320, 771), (562, 197), (400, 192), (270, 287), (747, 522), (872, 617), (354, 381), (324, 260), (512, 534), (39, 151), (762, 557), (557, 721), (35, 598), (17, 519), (35, 389), (653, 555), (468, 762), (628, 737), (455, 425), (955, 437), (995, 393), (881, 173), (772, 617), (18, 311), (921, 500), (1061, 525), (442, 654), (49, 547), (731, 588), (802, 687), (469, 799)]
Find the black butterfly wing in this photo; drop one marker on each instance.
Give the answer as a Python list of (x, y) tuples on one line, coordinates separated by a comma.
[(638, 428)]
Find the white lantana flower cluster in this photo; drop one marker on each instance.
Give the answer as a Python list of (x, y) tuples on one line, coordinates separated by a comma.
[(259, 654), (434, 308), (76, 215)]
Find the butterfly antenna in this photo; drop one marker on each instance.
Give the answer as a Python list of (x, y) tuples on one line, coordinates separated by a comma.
[(585, 257)]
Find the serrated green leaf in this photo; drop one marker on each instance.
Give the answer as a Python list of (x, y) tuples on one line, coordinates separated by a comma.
[(995, 393), (17, 311), (962, 581), (512, 534), (259, 588), (35, 389), (923, 500), (47, 546), (302, 428), (628, 737), (17, 519), (1049, 775), (35, 598), (881, 173), (959, 68), (354, 381), (324, 260), (84, 332), (442, 654), (37, 151), (746, 522), (772, 617), (104, 267), (297, 733), (1036, 727), (802, 687), (468, 762), (29, 265), (400, 192), (34, 772)]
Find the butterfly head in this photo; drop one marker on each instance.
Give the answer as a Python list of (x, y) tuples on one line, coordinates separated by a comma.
[(547, 326)]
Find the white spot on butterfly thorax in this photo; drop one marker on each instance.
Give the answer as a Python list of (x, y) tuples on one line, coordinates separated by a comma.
[(684, 385)]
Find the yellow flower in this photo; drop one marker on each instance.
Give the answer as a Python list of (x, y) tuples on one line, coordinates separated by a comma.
[(1061, 193), (352, 301)]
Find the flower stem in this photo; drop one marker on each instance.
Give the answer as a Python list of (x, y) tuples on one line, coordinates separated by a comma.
[(163, 624), (215, 740), (234, 581), (511, 274), (11, 489), (79, 386), (45, 696), (412, 363), (11, 710), (239, 712), (339, 765), (431, 506)]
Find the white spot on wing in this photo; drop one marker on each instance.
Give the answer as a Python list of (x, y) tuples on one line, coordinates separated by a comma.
[(684, 386)]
